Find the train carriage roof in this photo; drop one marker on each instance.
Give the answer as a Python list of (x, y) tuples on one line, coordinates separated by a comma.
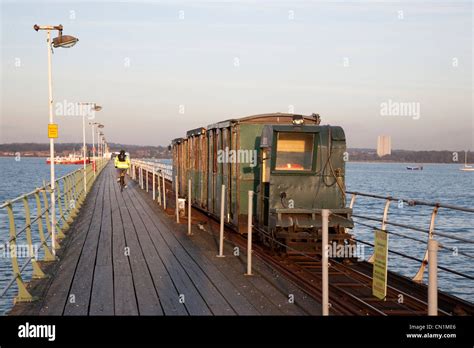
[(196, 131), (177, 141), (271, 118)]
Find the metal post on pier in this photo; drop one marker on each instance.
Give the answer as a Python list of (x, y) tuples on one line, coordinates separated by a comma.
[(177, 198), (153, 183), (189, 207), (163, 189), (433, 277), (159, 187), (221, 229), (139, 177), (324, 249), (146, 179), (249, 234)]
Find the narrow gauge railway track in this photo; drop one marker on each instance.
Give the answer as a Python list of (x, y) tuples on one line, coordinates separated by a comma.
[(350, 285)]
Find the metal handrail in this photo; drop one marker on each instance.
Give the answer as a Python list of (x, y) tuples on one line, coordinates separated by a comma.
[(70, 197), (413, 202), (166, 169), (431, 232)]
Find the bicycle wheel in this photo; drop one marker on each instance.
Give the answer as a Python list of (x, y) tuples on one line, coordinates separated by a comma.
[(122, 183)]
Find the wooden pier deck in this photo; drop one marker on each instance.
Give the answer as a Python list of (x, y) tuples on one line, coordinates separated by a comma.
[(124, 255)]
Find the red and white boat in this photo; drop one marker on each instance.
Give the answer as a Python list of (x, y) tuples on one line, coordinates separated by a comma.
[(71, 159)]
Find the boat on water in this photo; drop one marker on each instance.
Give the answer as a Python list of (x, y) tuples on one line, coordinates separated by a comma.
[(414, 167), (71, 159), (466, 168)]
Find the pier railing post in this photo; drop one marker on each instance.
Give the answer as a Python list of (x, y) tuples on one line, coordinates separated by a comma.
[(419, 275), (433, 277), (177, 198), (153, 183), (249, 234), (324, 249), (221, 228), (163, 190), (189, 207), (146, 179), (159, 187)]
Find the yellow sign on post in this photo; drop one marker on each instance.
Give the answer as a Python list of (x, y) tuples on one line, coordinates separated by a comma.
[(379, 276), (52, 130)]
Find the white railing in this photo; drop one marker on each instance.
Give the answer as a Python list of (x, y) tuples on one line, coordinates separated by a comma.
[(165, 168)]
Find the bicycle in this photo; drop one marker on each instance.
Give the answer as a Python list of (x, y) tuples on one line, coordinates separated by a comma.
[(122, 180)]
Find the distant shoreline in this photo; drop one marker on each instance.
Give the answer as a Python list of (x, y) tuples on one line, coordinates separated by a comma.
[(353, 155), (375, 162)]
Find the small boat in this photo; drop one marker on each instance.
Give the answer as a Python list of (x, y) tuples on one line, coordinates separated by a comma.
[(415, 168), (71, 159), (466, 168)]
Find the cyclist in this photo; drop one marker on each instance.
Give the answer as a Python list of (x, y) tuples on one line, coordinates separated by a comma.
[(122, 163)]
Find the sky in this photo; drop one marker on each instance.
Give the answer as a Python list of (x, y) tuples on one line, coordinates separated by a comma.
[(160, 68)]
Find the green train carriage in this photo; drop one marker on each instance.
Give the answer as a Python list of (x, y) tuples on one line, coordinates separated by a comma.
[(294, 165)]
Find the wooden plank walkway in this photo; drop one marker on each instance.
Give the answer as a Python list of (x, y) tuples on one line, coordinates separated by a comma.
[(124, 256)]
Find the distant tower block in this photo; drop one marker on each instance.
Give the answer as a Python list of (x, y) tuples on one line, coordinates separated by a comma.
[(384, 145)]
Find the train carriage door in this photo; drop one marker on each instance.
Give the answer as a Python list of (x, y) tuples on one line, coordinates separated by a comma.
[(189, 157), (219, 176), (214, 170), (195, 171), (210, 168), (233, 177), (265, 158), (184, 172), (226, 164), (191, 167), (204, 153)]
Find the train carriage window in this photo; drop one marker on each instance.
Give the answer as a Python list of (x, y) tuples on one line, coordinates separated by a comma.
[(294, 151)]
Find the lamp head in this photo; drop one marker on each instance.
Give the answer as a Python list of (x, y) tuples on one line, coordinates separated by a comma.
[(65, 41)]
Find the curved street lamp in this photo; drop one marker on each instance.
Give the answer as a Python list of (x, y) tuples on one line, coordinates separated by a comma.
[(93, 124), (99, 140), (94, 107), (61, 41)]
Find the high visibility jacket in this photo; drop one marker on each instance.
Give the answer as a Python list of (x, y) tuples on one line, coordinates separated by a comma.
[(122, 164)]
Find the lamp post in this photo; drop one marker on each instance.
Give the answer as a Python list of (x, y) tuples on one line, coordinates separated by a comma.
[(99, 127), (105, 147), (92, 124), (93, 107), (102, 144), (64, 41)]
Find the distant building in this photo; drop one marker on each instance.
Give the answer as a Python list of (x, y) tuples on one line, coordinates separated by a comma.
[(384, 145)]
